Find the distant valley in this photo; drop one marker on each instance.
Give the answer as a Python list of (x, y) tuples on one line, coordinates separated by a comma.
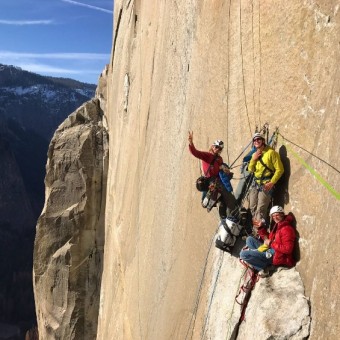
[(31, 108)]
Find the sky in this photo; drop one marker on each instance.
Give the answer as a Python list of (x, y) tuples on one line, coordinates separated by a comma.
[(59, 38)]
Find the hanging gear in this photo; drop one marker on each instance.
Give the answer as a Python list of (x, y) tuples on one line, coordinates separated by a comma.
[(227, 234), (202, 182), (212, 196)]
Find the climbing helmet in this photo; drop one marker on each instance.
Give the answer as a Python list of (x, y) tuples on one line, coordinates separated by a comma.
[(276, 209), (218, 143), (258, 135)]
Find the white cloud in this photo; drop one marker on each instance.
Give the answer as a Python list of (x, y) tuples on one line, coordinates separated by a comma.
[(88, 6), (69, 56), (85, 67), (41, 68), (25, 22)]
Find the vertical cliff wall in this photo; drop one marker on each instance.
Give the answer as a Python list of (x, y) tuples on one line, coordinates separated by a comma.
[(219, 68)]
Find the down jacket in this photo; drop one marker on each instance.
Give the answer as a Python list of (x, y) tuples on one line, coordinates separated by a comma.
[(282, 239), (225, 179)]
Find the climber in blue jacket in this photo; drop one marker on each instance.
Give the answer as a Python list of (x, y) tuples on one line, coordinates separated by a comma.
[(225, 176)]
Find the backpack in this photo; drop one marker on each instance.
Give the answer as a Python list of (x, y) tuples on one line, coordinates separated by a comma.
[(227, 234), (211, 197), (202, 182)]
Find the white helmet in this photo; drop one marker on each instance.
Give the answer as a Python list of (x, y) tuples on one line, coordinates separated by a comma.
[(218, 143), (258, 135), (276, 209)]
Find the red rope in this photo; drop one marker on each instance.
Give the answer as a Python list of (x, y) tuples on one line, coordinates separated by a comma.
[(250, 279)]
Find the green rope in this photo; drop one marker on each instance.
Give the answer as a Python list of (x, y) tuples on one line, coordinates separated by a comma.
[(317, 176)]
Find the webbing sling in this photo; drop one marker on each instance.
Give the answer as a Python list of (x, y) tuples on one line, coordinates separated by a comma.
[(266, 168), (210, 166)]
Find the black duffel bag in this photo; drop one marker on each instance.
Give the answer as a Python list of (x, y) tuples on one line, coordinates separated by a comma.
[(202, 183)]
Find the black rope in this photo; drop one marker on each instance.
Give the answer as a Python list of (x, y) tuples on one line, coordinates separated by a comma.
[(213, 293), (240, 154), (263, 130), (193, 318), (228, 82), (246, 192), (242, 68), (320, 159), (236, 166)]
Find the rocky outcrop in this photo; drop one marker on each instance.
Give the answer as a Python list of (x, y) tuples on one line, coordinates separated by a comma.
[(68, 255), (226, 307), (277, 309)]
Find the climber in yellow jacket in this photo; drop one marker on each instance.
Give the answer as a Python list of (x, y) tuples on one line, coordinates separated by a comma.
[(267, 168)]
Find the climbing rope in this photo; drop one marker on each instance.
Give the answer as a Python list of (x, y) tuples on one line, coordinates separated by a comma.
[(193, 317), (233, 306), (250, 279), (212, 294), (264, 128), (317, 176), (260, 64), (241, 154), (242, 66), (300, 147)]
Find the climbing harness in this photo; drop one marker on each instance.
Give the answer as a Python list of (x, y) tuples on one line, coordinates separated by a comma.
[(202, 182), (266, 168)]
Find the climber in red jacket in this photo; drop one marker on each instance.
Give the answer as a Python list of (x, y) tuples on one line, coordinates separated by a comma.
[(212, 163), (275, 247)]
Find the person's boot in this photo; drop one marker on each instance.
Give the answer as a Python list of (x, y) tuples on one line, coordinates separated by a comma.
[(222, 210)]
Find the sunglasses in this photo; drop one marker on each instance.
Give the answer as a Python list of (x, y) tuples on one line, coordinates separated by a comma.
[(217, 147), (257, 139)]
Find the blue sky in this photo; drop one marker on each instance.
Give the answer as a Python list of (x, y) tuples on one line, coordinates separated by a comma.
[(60, 38)]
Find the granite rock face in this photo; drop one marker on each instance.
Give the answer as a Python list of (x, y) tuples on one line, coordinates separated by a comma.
[(277, 309), (68, 255), (220, 69)]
